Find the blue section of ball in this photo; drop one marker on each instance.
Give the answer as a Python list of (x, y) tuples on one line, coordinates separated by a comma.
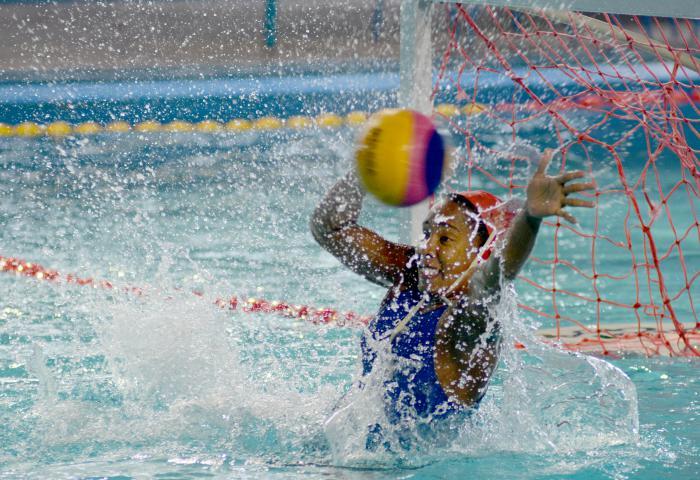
[(434, 159)]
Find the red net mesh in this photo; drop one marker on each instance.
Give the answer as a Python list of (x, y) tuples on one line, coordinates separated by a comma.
[(619, 97)]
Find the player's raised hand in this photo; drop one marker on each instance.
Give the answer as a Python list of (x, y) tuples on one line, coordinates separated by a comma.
[(548, 196)]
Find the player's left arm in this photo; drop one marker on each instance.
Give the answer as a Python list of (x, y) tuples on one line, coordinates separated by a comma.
[(546, 196), (469, 338), (467, 350)]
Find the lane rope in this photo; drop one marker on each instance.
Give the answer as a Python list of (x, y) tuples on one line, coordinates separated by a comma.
[(233, 303), (60, 128), (620, 340)]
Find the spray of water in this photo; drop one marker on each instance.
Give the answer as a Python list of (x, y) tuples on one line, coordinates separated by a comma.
[(541, 399), (184, 380)]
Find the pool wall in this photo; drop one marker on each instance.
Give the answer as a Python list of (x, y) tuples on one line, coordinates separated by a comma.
[(76, 39)]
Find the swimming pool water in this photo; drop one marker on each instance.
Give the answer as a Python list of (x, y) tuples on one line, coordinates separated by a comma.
[(105, 384)]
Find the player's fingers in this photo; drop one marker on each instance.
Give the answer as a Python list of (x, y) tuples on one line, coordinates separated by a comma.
[(578, 187), (568, 176), (566, 215), (577, 202), (544, 161)]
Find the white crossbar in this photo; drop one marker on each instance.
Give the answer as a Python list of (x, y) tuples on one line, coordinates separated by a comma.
[(656, 8)]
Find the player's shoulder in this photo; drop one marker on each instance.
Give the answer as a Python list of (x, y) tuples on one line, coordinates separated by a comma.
[(476, 302)]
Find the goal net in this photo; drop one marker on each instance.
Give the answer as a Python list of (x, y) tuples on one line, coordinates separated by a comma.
[(618, 96)]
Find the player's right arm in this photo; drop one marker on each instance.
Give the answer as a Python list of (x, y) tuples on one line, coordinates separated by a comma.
[(334, 226), (546, 196)]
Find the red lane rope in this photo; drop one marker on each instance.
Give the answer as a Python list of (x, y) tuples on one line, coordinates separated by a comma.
[(235, 303), (606, 342)]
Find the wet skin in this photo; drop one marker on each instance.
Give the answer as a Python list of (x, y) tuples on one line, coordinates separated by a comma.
[(448, 248), (466, 349)]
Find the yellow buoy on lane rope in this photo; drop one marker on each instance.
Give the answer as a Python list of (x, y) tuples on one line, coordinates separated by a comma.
[(299, 122), (118, 126), (178, 126), (87, 128), (29, 129), (356, 118), (209, 126), (329, 120), (59, 129), (238, 125), (267, 123), (148, 126)]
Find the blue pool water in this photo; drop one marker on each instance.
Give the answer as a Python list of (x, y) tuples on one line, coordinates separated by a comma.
[(103, 384)]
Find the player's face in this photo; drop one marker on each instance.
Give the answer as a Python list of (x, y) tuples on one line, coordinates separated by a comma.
[(447, 248)]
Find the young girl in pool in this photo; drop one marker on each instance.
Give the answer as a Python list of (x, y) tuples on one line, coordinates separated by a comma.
[(433, 334)]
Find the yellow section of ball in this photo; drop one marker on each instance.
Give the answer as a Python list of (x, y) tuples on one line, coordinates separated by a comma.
[(383, 155)]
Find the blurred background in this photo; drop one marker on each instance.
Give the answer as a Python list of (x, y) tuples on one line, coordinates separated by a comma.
[(73, 40), (85, 39)]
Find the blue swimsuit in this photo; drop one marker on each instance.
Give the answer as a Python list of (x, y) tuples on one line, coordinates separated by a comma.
[(412, 387)]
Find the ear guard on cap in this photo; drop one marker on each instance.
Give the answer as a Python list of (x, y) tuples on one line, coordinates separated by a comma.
[(495, 213)]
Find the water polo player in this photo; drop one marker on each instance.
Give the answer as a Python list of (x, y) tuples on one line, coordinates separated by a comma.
[(434, 341)]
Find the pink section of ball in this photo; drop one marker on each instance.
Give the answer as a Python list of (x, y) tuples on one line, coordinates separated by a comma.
[(416, 187)]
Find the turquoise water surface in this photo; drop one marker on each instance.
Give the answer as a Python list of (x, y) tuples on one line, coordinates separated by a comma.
[(98, 383)]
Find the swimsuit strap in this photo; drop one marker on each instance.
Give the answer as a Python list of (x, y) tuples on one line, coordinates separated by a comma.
[(401, 326)]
